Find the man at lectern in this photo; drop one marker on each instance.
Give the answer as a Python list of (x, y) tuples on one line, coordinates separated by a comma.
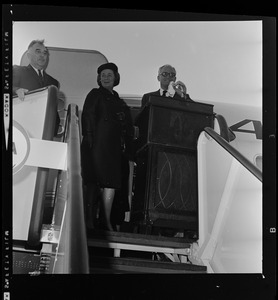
[(34, 76), (169, 87)]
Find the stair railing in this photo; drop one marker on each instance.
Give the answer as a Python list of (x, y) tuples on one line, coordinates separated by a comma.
[(235, 153), (72, 251)]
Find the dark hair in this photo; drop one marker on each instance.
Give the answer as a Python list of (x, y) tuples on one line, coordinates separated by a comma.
[(159, 70), (36, 42), (110, 66)]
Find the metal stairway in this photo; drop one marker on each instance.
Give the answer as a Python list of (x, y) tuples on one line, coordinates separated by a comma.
[(122, 252)]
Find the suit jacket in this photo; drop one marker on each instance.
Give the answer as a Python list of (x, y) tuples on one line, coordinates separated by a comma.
[(26, 77), (157, 93)]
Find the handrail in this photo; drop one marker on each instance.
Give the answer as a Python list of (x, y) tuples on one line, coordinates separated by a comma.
[(225, 131), (76, 251), (235, 153), (42, 173)]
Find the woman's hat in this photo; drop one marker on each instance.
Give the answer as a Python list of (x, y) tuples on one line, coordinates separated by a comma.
[(110, 66)]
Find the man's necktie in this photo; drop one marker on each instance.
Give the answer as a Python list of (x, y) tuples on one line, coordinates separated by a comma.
[(164, 93), (41, 77)]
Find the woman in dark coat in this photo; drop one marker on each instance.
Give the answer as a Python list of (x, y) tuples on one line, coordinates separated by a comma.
[(107, 137)]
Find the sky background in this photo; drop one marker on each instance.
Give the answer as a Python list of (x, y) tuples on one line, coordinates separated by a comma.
[(218, 61)]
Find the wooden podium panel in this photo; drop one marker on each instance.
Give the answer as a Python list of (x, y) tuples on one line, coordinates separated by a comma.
[(166, 181), (171, 122), (165, 192)]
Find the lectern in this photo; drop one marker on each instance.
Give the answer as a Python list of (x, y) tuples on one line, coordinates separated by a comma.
[(165, 184)]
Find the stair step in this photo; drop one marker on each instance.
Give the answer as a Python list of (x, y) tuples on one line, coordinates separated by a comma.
[(138, 239), (114, 265)]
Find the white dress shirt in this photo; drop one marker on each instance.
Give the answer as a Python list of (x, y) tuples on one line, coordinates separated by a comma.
[(167, 94), (38, 70)]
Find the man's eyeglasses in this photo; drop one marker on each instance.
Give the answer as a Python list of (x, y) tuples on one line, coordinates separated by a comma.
[(166, 74)]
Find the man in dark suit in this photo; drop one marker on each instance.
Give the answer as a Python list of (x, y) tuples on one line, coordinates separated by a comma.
[(28, 78), (33, 76), (168, 86)]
